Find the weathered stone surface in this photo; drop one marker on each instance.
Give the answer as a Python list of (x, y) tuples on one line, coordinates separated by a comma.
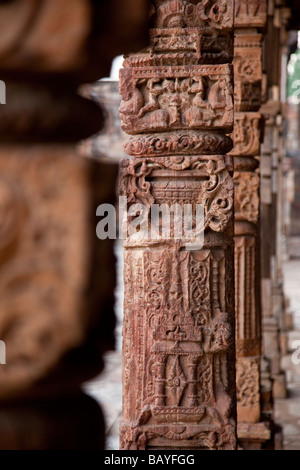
[(260, 432), (246, 196), (163, 98), (176, 359), (41, 279), (183, 142), (246, 134), (188, 32), (250, 13), (215, 14), (178, 336), (248, 393), (247, 71), (207, 182)]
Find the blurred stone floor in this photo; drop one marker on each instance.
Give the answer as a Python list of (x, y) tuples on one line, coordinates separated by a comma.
[(107, 388)]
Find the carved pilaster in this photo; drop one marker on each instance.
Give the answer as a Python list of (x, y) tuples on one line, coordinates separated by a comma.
[(247, 136), (272, 229), (178, 334)]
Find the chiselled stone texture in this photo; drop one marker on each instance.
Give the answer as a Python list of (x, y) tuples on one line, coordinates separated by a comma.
[(248, 396), (178, 315), (247, 136), (188, 32), (250, 13), (247, 72), (178, 334), (160, 98), (246, 196), (207, 181), (178, 143)]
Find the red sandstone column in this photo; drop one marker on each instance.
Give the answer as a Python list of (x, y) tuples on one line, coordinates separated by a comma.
[(247, 136), (273, 308), (178, 336), (57, 279)]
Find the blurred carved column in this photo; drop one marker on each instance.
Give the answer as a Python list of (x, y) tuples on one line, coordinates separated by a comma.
[(56, 278), (178, 349), (251, 18), (273, 304)]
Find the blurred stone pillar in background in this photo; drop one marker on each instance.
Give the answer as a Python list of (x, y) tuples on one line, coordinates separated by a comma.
[(272, 229), (250, 21), (56, 278), (178, 334)]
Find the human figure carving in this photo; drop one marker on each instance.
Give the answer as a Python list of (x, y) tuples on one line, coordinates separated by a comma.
[(133, 106)]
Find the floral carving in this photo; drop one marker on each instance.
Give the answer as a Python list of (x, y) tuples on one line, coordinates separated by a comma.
[(183, 13), (214, 189), (246, 197), (178, 143), (248, 72), (247, 381), (246, 134)]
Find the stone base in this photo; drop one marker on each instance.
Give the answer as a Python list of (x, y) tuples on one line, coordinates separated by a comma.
[(253, 436)]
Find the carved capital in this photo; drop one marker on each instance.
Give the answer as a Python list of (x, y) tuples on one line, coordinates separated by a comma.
[(215, 14), (188, 32), (207, 182)]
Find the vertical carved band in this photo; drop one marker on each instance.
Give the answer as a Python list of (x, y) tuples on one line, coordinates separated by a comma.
[(247, 138)]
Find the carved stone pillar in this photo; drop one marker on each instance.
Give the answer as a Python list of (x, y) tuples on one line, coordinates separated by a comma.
[(247, 137), (178, 349), (271, 164), (57, 279)]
